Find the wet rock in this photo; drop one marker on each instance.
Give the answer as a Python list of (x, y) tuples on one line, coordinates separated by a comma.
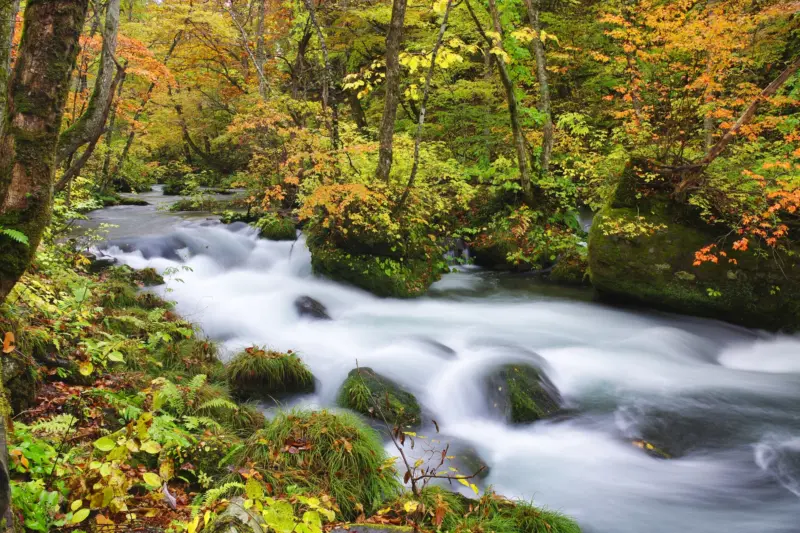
[(380, 398), (21, 379), (307, 306), (99, 262), (522, 393)]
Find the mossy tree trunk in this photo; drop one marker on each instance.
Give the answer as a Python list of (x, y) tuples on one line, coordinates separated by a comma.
[(533, 7), (91, 123), (37, 93), (386, 134), (511, 96), (8, 17)]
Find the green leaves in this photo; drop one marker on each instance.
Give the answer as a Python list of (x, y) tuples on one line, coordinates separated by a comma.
[(14, 235), (152, 480), (80, 516), (105, 444)]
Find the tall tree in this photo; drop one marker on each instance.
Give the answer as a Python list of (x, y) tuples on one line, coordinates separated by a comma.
[(93, 120), (386, 133), (37, 93), (8, 19), (534, 7), (511, 96)]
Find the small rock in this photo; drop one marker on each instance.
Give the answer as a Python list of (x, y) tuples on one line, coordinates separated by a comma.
[(522, 393), (100, 262), (308, 306)]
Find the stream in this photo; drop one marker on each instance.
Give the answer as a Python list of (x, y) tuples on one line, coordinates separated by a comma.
[(725, 400)]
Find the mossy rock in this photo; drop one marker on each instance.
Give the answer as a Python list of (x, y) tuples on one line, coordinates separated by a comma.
[(656, 268), (491, 251), (260, 373), (378, 397), (276, 227), (383, 276), (148, 277), (192, 357), (522, 393), (21, 379), (119, 294), (321, 452)]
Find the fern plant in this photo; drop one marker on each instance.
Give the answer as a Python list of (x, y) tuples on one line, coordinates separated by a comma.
[(15, 235)]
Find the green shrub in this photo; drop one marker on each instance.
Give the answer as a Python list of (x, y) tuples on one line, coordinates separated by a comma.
[(276, 227), (260, 373), (323, 452), (378, 397)]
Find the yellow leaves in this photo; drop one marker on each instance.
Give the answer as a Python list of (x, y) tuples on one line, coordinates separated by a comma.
[(500, 53), (524, 35), (152, 480), (410, 506), (464, 481), (8, 342), (440, 6), (80, 516)]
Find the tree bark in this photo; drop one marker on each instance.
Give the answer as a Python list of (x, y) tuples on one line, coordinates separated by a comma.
[(513, 106), (76, 167), (93, 119), (357, 111), (544, 87), (37, 94), (261, 48), (109, 137), (8, 19), (386, 133), (423, 107)]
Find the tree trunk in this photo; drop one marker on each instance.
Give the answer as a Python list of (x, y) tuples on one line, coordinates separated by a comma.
[(261, 48), (109, 137), (544, 86), (357, 111), (37, 94), (423, 107), (386, 133), (76, 167), (93, 119), (513, 106), (8, 18)]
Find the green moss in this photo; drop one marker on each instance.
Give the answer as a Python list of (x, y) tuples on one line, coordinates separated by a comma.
[(276, 227), (192, 357), (260, 373), (522, 393), (323, 452), (378, 397), (761, 290), (118, 294), (383, 276), (148, 277), (199, 204)]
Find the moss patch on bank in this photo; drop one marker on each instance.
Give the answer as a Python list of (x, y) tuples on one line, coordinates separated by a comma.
[(260, 373)]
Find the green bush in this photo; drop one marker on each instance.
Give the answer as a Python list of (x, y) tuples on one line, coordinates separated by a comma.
[(378, 397), (324, 453), (258, 372)]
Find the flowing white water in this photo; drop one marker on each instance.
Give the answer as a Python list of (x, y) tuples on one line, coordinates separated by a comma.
[(726, 399)]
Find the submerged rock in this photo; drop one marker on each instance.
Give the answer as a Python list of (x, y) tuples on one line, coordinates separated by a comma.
[(307, 306), (655, 264), (522, 393), (379, 397)]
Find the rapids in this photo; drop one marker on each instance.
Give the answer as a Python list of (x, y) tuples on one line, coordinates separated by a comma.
[(726, 399)]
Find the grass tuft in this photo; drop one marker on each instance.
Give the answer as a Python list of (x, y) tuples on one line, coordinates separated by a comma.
[(324, 453), (259, 372)]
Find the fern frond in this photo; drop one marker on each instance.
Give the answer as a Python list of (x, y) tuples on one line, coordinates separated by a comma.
[(15, 235)]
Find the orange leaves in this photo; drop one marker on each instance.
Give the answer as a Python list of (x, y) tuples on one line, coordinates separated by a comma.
[(741, 245), (706, 255), (8, 343)]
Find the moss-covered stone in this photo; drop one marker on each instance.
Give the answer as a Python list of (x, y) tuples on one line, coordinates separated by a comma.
[(259, 373), (21, 379), (277, 227), (383, 276), (148, 277), (379, 397), (522, 393), (655, 267)]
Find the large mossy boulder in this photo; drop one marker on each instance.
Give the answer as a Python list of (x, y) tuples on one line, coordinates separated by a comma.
[(522, 393), (642, 251), (378, 397), (386, 276), (259, 373), (275, 227), (320, 452)]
